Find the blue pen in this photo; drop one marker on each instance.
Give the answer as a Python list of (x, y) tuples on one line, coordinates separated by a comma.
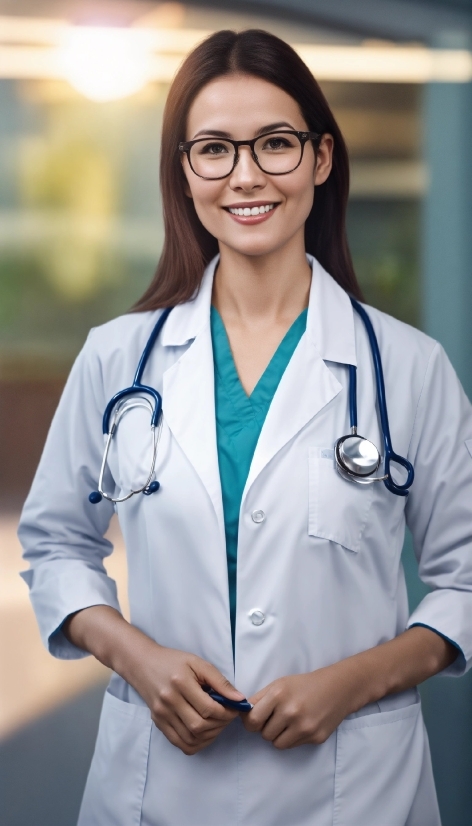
[(236, 705)]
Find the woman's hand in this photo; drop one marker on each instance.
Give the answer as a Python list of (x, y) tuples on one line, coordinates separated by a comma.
[(169, 681), (307, 708), (301, 709)]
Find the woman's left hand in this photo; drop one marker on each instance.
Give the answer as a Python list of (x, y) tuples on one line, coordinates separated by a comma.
[(305, 708)]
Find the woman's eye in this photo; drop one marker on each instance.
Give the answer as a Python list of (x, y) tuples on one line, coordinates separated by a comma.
[(273, 144), (213, 149)]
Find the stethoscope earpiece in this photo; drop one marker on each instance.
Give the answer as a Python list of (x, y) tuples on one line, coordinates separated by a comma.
[(95, 497), (152, 488)]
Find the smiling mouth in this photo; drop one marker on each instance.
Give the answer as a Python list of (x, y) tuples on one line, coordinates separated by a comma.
[(247, 211)]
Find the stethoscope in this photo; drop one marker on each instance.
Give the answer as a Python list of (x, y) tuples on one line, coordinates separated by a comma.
[(121, 403), (356, 458)]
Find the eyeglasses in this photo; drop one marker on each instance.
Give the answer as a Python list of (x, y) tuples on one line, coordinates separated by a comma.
[(275, 153)]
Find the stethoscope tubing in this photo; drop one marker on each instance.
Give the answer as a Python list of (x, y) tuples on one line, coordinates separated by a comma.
[(390, 455), (116, 406), (137, 386), (148, 486)]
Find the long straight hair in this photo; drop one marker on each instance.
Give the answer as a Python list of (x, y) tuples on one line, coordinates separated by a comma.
[(188, 246)]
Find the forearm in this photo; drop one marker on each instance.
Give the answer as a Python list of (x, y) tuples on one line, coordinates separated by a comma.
[(397, 665), (103, 632), (169, 681)]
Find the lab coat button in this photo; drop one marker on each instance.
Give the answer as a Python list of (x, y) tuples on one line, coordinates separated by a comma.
[(256, 616), (258, 516)]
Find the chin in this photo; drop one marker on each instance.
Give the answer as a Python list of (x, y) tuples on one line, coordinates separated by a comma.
[(255, 248)]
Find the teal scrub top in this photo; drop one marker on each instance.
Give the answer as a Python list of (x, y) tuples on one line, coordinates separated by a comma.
[(239, 420)]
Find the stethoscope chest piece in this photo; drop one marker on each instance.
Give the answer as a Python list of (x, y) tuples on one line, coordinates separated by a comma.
[(356, 459)]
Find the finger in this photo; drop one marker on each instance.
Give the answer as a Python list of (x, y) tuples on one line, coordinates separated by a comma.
[(207, 674), (173, 737), (287, 739), (256, 719), (182, 732), (187, 749), (204, 704), (274, 727), (172, 720), (256, 698), (197, 725), (186, 691)]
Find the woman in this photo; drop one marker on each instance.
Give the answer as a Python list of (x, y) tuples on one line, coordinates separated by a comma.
[(256, 569)]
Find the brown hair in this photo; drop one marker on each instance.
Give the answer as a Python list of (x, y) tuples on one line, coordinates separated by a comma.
[(188, 246)]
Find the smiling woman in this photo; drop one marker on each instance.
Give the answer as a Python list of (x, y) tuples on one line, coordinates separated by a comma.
[(269, 88), (255, 561)]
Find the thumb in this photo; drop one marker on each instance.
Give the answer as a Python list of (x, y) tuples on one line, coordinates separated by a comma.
[(210, 675)]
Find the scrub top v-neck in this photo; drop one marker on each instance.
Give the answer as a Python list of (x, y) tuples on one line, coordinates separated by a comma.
[(239, 420)]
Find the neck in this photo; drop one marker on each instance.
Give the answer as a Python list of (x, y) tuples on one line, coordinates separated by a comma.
[(272, 287)]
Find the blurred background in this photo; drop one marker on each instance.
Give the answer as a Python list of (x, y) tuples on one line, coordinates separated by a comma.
[(82, 90)]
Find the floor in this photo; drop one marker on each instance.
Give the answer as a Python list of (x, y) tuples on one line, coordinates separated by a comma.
[(44, 764)]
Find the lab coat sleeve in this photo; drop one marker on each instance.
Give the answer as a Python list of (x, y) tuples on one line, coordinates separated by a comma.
[(62, 533), (439, 507)]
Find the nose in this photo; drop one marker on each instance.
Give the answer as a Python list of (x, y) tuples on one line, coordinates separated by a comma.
[(246, 175)]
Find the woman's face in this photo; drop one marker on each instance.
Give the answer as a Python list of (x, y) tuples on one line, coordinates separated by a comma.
[(241, 107)]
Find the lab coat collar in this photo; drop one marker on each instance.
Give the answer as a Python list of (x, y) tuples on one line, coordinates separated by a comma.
[(189, 389), (330, 321), (187, 320)]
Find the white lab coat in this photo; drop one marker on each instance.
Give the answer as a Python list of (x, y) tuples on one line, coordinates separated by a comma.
[(323, 566)]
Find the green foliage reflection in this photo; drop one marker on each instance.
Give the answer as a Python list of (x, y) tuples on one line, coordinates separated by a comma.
[(384, 237)]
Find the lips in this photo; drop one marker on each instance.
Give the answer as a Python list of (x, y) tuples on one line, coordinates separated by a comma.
[(253, 210)]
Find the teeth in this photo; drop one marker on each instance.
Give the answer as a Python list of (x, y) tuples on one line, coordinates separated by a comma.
[(256, 210)]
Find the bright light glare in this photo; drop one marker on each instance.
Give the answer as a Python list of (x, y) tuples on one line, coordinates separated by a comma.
[(387, 64), (105, 63)]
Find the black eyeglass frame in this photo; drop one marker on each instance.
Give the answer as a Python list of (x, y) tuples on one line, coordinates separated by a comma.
[(303, 137)]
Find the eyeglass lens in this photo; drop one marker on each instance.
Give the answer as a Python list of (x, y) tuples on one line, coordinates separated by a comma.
[(278, 152)]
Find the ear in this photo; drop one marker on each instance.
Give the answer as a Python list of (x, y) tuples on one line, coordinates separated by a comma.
[(324, 159)]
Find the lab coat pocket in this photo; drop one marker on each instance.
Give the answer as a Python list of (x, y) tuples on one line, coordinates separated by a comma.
[(115, 785), (338, 509), (379, 758)]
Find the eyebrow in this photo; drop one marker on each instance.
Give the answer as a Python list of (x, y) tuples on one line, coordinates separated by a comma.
[(271, 127)]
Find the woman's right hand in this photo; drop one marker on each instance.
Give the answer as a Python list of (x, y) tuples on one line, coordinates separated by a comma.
[(169, 681)]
